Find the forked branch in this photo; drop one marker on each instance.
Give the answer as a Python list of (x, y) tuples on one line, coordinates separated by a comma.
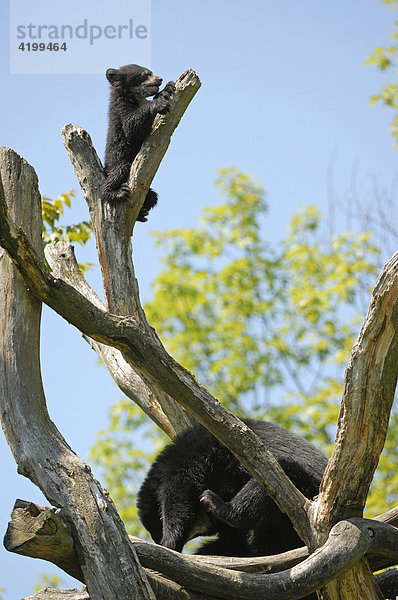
[(110, 565)]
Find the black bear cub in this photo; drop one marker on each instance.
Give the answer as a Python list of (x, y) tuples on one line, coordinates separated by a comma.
[(197, 487), (131, 117)]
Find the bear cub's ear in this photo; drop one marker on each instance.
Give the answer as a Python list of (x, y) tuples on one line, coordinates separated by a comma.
[(113, 75)]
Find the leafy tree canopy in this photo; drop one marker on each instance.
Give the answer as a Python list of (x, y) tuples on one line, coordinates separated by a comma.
[(386, 59)]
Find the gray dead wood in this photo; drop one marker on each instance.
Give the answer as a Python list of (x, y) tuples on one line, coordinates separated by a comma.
[(387, 581), (369, 388), (110, 566), (347, 543), (40, 532), (162, 588), (55, 594), (137, 346), (391, 517)]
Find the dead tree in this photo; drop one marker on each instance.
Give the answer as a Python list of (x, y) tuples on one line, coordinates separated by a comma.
[(84, 534)]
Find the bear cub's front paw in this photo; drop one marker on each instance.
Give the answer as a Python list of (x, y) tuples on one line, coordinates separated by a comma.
[(212, 502), (162, 104), (170, 87), (162, 99)]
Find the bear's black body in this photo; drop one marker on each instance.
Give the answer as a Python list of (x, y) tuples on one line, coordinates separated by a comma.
[(197, 487), (131, 117)]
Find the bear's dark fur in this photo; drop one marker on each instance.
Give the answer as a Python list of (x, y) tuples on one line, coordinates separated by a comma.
[(131, 117), (197, 487)]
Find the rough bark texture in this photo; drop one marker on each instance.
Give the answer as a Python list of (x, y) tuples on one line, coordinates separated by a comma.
[(369, 387), (164, 590), (54, 594), (40, 532), (110, 566), (387, 582)]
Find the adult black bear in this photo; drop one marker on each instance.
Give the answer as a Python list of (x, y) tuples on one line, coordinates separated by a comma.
[(197, 487), (131, 117)]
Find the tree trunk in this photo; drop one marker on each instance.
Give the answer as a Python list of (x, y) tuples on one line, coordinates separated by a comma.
[(369, 388), (109, 563)]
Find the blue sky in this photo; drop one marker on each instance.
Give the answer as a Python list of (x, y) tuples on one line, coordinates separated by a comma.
[(284, 95)]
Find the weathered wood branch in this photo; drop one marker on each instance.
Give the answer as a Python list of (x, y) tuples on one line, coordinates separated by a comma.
[(387, 581), (348, 542), (369, 388), (142, 349), (391, 517), (109, 563), (163, 589), (56, 594), (41, 532)]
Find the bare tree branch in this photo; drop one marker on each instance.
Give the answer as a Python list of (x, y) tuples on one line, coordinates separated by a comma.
[(391, 517), (164, 589), (348, 541), (369, 387), (387, 581), (54, 594), (40, 532), (110, 565)]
